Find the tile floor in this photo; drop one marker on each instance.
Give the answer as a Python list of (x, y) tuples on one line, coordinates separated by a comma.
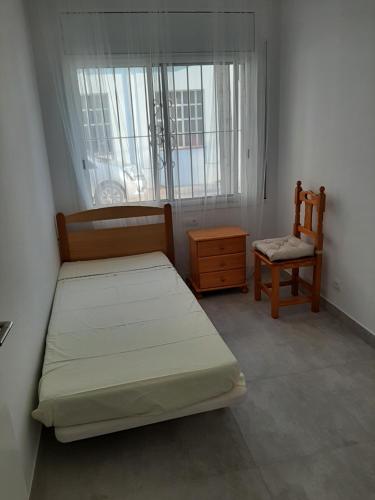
[(305, 430)]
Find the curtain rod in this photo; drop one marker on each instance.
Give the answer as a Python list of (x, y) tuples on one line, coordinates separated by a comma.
[(223, 52), (158, 12)]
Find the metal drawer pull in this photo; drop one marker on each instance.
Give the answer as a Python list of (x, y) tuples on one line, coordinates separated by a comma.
[(5, 327)]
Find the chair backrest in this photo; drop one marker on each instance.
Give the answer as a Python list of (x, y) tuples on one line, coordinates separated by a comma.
[(310, 200)]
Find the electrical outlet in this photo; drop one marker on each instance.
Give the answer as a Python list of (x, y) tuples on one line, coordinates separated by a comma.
[(191, 222)]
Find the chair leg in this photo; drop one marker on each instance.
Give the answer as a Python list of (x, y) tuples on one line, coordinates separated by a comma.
[(275, 294), (257, 278), (315, 304), (295, 275)]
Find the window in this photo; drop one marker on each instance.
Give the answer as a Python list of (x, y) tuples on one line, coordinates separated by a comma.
[(169, 131), (97, 123), (185, 110), (187, 123)]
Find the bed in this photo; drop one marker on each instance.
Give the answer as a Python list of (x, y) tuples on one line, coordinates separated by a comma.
[(127, 344)]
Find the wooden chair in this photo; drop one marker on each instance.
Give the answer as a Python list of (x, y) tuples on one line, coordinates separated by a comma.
[(310, 201)]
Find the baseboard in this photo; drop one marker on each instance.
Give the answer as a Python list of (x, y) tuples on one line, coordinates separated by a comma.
[(362, 332), (29, 483), (355, 327)]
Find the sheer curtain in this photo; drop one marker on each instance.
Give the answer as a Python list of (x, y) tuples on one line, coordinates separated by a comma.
[(161, 104)]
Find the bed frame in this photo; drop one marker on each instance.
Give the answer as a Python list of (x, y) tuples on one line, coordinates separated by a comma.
[(91, 243), (85, 431)]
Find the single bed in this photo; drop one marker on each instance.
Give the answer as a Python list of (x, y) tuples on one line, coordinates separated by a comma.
[(128, 344)]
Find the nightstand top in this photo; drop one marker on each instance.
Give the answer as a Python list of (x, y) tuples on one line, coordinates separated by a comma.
[(214, 233)]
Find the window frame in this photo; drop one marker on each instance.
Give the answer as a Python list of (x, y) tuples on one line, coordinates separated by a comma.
[(118, 62)]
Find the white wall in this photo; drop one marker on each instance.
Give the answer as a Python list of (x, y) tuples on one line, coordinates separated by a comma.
[(64, 184), (28, 250), (327, 137)]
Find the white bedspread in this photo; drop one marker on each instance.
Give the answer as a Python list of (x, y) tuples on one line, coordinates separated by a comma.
[(128, 338)]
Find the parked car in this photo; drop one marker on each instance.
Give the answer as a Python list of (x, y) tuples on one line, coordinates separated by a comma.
[(115, 184)]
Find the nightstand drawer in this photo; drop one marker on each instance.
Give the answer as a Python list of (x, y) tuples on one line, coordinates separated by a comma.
[(221, 262), (217, 259), (222, 246), (222, 278)]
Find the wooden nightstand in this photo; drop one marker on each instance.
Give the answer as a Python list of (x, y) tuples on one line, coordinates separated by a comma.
[(217, 259)]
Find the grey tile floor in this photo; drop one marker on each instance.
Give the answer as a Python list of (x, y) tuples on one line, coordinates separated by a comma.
[(305, 430)]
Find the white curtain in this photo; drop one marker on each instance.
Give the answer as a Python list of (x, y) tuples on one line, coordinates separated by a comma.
[(160, 104)]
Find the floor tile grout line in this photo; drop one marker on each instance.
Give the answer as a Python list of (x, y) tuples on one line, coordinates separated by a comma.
[(312, 455), (336, 317), (256, 466), (227, 335), (238, 426), (335, 365), (271, 495)]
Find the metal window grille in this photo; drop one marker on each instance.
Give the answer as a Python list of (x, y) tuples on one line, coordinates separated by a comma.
[(161, 132), (96, 122)]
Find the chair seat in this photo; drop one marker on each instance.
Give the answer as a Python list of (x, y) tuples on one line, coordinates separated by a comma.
[(285, 248)]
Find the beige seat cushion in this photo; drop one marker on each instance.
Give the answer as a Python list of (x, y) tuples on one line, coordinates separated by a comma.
[(288, 247)]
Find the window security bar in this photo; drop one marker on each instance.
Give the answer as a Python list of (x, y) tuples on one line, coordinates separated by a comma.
[(162, 132)]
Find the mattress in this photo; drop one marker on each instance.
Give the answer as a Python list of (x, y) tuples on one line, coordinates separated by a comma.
[(74, 432), (128, 339)]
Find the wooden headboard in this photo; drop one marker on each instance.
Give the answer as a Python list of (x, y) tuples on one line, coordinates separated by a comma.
[(88, 244)]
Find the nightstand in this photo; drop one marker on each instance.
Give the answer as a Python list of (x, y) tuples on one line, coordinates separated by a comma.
[(217, 259)]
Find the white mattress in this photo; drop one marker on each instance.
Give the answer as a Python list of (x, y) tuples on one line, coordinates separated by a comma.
[(127, 338), (74, 432)]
